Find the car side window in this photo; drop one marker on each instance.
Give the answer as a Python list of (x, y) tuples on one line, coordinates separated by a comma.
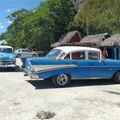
[(23, 51), (78, 55), (93, 55), (67, 56), (27, 51)]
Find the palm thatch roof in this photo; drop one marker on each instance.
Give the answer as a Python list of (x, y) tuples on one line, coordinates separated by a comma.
[(66, 39), (113, 41), (94, 40)]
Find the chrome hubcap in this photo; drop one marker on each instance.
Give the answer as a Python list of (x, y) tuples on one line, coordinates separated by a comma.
[(62, 79)]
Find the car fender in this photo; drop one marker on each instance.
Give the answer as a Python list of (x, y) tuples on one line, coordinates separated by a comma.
[(55, 72)]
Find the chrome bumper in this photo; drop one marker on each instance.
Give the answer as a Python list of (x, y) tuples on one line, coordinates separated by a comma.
[(8, 66), (32, 74)]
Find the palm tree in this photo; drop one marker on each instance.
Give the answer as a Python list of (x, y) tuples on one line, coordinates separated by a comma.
[(115, 5), (85, 14)]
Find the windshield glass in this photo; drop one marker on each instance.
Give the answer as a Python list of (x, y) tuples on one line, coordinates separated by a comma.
[(6, 50), (54, 53)]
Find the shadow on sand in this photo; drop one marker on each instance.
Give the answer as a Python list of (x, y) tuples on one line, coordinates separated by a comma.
[(47, 84), (17, 69)]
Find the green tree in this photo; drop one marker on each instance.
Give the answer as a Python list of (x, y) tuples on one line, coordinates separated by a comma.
[(98, 16), (62, 13), (40, 27)]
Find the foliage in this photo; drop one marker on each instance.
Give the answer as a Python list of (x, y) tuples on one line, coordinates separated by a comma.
[(98, 16), (41, 27)]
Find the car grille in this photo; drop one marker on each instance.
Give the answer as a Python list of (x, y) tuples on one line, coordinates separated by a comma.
[(6, 62)]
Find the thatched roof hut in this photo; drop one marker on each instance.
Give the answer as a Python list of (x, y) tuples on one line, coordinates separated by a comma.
[(94, 40), (70, 38), (113, 41)]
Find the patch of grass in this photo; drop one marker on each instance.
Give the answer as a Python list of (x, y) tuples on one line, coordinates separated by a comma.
[(45, 115)]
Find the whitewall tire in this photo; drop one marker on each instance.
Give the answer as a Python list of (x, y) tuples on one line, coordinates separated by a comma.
[(61, 80)]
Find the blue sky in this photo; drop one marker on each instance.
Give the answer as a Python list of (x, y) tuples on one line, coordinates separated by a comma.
[(8, 6)]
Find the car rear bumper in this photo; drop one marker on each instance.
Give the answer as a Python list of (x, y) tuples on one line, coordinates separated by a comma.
[(32, 74)]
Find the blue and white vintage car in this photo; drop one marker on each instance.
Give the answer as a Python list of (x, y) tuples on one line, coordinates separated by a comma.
[(7, 57), (63, 64)]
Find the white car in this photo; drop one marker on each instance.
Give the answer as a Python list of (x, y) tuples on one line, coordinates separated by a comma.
[(20, 53)]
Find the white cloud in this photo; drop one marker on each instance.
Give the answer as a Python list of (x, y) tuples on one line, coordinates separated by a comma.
[(1, 26)]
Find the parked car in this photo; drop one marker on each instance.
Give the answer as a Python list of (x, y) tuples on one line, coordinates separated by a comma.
[(7, 57), (63, 64), (20, 53)]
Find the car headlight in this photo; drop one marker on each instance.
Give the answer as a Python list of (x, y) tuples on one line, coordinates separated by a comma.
[(13, 58)]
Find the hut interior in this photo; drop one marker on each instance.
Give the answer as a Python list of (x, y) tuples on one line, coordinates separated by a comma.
[(112, 45)]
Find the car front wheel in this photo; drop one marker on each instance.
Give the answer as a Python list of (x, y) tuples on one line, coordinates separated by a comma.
[(117, 77), (61, 80)]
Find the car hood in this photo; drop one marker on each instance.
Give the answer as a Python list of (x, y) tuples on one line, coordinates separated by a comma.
[(6, 56)]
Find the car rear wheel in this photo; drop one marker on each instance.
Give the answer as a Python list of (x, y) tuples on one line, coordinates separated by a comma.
[(117, 77), (61, 80), (34, 55)]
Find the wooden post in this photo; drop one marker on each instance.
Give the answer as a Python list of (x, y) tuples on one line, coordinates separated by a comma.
[(114, 53)]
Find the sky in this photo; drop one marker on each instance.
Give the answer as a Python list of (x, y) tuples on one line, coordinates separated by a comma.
[(8, 6)]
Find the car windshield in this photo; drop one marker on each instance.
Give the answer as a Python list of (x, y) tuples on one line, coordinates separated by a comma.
[(54, 53), (6, 50)]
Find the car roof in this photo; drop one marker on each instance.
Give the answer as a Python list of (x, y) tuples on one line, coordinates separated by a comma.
[(5, 46), (68, 49), (22, 49)]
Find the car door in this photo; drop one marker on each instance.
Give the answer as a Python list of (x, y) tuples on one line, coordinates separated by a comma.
[(23, 53), (97, 68), (28, 53), (81, 70)]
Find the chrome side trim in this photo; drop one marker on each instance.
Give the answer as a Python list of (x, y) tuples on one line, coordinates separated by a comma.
[(90, 78), (43, 68), (99, 66)]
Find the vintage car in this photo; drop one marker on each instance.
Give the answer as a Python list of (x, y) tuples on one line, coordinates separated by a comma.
[(23, 52), (66, 63), (7, 57)]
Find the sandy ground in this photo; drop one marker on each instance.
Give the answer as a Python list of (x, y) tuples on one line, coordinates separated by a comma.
[(22, 98)]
